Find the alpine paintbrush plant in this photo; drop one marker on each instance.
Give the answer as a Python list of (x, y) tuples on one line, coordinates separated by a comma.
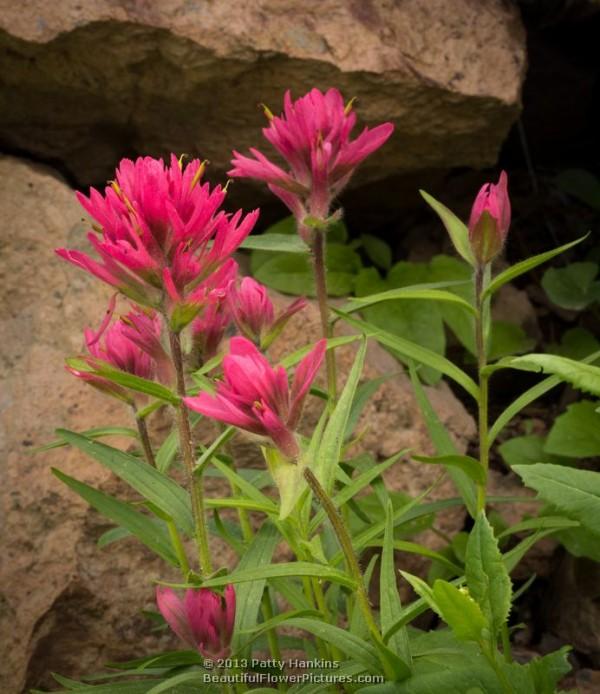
[(319, 538)]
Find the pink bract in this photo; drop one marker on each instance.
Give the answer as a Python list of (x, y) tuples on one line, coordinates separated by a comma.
[(203, 619), (313, 137), (256, 397), (254, 314), (160, 230)]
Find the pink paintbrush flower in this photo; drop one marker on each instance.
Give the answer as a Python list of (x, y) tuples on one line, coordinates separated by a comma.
[(490, 220), (131, 343), (159, 230), (313, 137), (254, 314), (203, 619), (256, 397)]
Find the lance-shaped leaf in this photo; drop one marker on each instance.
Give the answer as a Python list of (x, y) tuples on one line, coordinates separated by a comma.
[(459, 234)]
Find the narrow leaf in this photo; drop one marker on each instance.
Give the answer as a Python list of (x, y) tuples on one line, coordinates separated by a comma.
[(459, 234), (525, 265), (148, 481), (416, 352)]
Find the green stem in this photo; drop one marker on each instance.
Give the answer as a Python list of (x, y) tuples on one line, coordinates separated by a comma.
[(480, 341), (195, 482), (320, 272), (348, 550)]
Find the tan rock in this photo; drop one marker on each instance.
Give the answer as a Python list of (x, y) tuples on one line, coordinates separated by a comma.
[(85, 83)]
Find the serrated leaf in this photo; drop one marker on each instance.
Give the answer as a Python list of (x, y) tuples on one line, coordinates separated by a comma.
[(487, 578), (575, 433), (585, 377), (460, 612), (575, 492)]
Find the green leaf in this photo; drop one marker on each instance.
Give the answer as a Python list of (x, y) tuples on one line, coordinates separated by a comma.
[(329, 452), (357, 649), (245, 486), (350, 490), (167, 452), (112, 535), (122, 378), (292, 273), (506, 339), (147, 530), (97, 433), (576, 343), (170, 685), (585, 377), (470, 466), (575, 492), (294, 568), (249, 594), (377, 250), (459, 234), (486, 574), (416, 292), (149, 482), (460, 612), (525, 265), (364, 393), (524, 450), (289, 478), (390, 606), (443, 443), (576, 433), (275, 243), (573, 287), (416, 352)]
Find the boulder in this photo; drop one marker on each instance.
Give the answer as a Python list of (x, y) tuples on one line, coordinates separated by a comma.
[(84, 83), (67, 605)]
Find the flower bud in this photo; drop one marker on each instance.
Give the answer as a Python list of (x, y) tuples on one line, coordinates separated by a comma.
[(490, 220)]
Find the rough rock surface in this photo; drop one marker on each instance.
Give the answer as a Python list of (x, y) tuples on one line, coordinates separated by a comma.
[(84, 83), (67, 606)]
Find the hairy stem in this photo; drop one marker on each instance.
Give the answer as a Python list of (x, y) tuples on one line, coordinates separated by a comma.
[(483, 386), (320, 272), (195, 482), (348, 550)]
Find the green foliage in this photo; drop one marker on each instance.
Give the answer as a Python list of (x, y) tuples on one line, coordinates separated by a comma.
[(486, 574), (148, 530), (582, 185), (525, 450), (575, 492), (573, 287), (576, 433)]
